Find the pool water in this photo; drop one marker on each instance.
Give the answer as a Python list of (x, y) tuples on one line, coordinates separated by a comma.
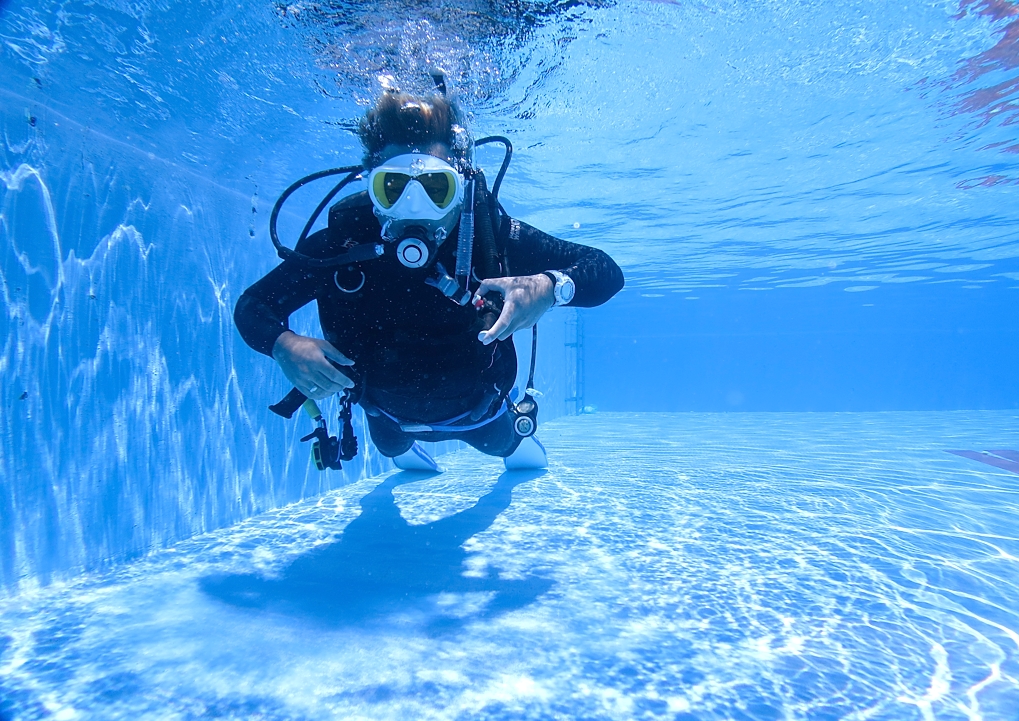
[(782, 459), (696, 566)]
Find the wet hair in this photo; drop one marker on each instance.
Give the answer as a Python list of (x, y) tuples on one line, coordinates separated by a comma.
[(406, 119)]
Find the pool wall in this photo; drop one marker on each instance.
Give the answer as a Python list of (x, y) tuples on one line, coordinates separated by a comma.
[(912, 347)]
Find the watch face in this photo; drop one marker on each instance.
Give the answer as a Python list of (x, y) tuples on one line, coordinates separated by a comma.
[(567, 291)]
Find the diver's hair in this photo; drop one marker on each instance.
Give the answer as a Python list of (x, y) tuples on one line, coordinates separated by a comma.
[(405, 119)]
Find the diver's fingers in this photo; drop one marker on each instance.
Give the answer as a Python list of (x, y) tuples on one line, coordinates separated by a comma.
[(330, 352), (332, 385), (316, 395), (310, 387), (323, 387), (496, 284), (516, 322), (333, 375), (509, 330), (330, 367), (498, 328)]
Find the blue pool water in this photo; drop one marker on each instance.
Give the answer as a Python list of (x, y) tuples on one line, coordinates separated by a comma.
[(712, 566), (751, 509)]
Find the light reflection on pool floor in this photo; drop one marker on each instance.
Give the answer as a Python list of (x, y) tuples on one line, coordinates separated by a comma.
[(691, 566)]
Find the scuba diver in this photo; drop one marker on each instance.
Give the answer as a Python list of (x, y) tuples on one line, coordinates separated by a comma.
[(427, 353)]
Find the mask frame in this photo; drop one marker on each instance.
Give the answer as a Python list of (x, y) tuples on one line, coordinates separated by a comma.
[(414, 212), (364, 251)]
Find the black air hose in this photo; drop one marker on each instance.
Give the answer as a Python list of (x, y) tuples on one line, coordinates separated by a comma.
[(488, 258)]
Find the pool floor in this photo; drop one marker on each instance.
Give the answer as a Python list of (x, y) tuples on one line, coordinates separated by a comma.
[(680, 566)]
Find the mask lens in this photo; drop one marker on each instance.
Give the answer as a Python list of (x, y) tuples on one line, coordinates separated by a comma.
[(441, 187), (389, 186)]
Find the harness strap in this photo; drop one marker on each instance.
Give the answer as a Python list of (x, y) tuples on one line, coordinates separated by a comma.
[(447, 426)]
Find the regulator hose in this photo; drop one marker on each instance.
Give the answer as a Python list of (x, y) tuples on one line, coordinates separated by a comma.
[(365, 251), (505, 161)]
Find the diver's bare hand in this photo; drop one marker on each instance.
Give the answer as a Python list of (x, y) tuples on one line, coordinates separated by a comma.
[(308, 364), (525, 300)]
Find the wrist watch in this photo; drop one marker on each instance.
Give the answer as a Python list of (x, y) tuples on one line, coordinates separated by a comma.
[(564, 288)]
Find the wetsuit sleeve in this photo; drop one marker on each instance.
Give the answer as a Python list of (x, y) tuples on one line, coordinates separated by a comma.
[(529, 251), (263, 310)]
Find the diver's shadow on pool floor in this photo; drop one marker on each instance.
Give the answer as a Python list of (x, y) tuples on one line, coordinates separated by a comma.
[(382, 565)]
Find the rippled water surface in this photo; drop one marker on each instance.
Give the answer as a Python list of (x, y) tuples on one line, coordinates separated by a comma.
[(761, 145)]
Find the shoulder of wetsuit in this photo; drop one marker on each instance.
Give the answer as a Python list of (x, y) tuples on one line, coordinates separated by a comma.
[(317, 245), (504, 219), (351, 213), (351, 221)]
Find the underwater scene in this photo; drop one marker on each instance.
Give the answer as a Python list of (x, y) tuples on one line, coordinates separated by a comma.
[(759, 461)]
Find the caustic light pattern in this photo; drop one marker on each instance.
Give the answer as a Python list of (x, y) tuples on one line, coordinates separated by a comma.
[(699, 566)]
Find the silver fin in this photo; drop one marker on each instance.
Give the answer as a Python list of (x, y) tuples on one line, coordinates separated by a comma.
[(529, 455), (416, 458)]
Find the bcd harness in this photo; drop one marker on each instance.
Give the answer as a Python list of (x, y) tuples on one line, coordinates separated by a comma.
[(330, 452)]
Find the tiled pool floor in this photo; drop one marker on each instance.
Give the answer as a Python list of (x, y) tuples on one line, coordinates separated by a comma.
[(687, 566)]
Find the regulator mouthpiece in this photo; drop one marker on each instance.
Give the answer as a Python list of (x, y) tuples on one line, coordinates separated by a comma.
[(413, 252)]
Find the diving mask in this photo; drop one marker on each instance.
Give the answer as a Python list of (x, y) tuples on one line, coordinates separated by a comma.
[(417, 199)]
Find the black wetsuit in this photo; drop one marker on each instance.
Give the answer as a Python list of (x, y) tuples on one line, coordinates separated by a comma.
[(417, 357)]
